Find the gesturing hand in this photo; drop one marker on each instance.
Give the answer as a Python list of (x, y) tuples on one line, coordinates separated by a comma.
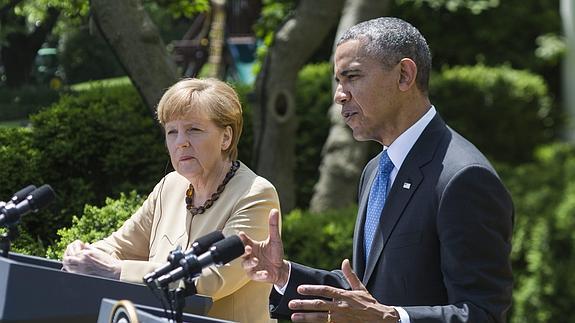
[(356, 305), (264, 261)]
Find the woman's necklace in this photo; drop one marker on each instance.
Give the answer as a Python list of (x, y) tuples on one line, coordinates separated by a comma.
[(209, 202)]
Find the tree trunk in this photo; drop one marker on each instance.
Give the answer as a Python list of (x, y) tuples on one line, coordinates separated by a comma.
[(343, 157), (217, 34), (568, 19), (137, 44), (275, 122)]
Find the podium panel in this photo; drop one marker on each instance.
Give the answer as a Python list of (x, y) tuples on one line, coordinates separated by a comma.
[(113, 311), (34, 289)]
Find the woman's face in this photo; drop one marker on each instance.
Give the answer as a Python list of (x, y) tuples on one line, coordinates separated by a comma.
[(196, 145)]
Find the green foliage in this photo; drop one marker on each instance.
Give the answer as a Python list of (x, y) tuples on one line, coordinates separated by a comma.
[(96, 223), (544, 236), (245, 145), (86, 56), (28, 245), (313, 99), (474, 6), (509, 103), (274, 14), (17, 104), (180, 8), (88, 146), (103, 141), (19, 161), (321, 240)]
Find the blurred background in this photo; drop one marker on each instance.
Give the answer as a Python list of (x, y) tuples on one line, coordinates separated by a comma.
[(79, 82)]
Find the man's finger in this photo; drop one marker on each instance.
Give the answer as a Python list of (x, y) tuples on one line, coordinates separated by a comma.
[(274, 228), (351, 277), (248, 243), (320, 290), (315, 305), (309, 317)]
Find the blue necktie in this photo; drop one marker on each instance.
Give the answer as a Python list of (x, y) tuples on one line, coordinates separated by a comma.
[(376, 200)]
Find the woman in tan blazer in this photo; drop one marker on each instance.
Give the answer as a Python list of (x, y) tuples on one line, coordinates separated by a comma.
[(209, 190)]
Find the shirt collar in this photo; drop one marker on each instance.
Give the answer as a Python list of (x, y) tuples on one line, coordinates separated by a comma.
[(399, 149)]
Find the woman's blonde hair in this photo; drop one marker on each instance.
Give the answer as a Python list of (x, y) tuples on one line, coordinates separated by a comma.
[(215, 98)]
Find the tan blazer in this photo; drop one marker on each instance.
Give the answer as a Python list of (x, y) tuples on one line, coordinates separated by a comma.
[(163, 222)]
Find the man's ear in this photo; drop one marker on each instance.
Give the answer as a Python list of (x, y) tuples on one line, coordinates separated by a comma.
[(227, 138), (408, 73)]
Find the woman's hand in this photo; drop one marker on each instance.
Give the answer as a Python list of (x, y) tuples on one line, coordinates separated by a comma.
[(82, 258)]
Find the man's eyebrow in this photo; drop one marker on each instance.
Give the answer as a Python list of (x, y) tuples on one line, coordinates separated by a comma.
[(346, 72)]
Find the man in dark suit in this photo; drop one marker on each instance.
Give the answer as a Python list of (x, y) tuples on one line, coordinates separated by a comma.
[(433, 233)]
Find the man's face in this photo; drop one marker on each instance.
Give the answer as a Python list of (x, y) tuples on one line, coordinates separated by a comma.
[(366, 92)]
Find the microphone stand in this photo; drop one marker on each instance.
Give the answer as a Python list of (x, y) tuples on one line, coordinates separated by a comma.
[(10, 234), (179, 298)]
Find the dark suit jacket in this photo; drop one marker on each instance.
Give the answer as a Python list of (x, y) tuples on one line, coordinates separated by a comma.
[(444, 239)]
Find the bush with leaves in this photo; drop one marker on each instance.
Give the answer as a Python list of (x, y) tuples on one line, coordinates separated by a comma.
[(544, 236), (19, 103), (492, 105), (313, 99), (97, 222), (320, 240), (98, 143), (87, 146)]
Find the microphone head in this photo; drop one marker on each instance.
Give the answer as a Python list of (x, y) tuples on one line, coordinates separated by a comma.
[(227, 250), (22, 194), (202, 244), (41, 197)]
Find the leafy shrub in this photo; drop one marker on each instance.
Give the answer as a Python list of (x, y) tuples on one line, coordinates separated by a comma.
[(88, 146), (96, 223), (320, 240), (504, 112), (245, 145), (544, 237), (106, 137), (18, 104), (19, 160), (313, 100)]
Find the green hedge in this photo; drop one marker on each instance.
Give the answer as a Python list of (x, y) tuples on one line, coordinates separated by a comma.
[(18, 104), (96, 223), (506, 113), (87, 146), (544, 236), (313, 99), (320, 240)]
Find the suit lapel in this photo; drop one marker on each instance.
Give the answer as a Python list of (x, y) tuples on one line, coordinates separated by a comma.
[(404, 186), (358, 248)]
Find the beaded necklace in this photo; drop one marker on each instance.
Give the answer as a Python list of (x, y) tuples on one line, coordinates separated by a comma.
[(209, 202)]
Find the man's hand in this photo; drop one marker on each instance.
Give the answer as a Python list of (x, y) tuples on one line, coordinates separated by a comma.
[(264, 261), (82, 258), (356, 305)]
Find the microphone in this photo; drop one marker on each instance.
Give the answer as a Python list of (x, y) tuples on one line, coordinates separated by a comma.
[(19, 196), (22, 194), (11, 213), (219, 254), (199, 246)]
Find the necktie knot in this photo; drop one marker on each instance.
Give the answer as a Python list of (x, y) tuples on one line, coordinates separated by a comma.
[(385, 165)]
